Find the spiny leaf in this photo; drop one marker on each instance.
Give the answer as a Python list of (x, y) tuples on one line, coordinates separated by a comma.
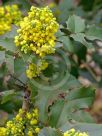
[(75, 24), (61, 110)]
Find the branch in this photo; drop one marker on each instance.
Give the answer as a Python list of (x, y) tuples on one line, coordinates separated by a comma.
[(26, 100)]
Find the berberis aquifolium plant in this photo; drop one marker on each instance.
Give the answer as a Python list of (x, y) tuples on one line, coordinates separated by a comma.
[(40, 87)]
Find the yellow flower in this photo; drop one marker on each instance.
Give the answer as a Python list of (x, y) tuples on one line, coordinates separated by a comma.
[(74, 133), (38, 31), (72, 130), (30, 133), (33, 122), (16, 127), (9, 15), (29, 116), (2, 131), (37, 130), (18, 118), (34, 70)]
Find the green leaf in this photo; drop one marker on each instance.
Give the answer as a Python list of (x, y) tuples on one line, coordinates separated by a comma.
[(10, 63), (80, 37), (7, 40), (34, 91), (2, 56), (20, 70), (19, 66), (46, 97), (64, 10), (82, 93), (68, 44), (81, 116), (50, 132), (3, 71), (59, 33), (94, 32), (71, 84), (8, 44), (63, 110), (8, 107), (7, 95), (75, 24)]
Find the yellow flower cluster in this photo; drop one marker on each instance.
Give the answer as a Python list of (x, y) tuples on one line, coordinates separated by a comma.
[(35, 69), (37, 32), (24, 124), (72, 132), (8, 15), (2, 131)]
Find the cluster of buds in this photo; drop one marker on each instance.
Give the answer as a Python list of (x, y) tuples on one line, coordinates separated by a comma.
[(36, 35), (35, 69), (24, 124), (72, 132), (9, 15)]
